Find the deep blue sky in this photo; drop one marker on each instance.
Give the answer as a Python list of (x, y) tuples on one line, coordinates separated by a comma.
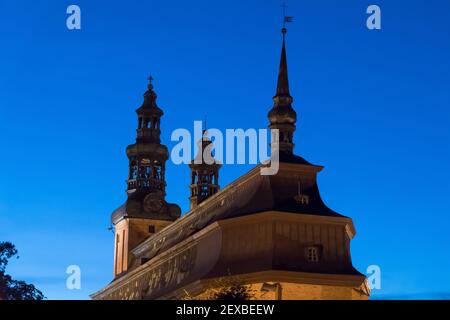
[(373, 109)]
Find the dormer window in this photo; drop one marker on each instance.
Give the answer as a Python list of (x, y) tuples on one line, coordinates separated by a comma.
[(302, 199), (313, 253)]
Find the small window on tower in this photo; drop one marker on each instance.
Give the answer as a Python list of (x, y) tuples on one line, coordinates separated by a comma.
[(151, 229), (312, 254)]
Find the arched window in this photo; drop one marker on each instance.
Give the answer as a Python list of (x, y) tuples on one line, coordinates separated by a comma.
[(133, 170)]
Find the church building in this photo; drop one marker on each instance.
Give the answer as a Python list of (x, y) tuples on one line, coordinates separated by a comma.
[(272, 234)]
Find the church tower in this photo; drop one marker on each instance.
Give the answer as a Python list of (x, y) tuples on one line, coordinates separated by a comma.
[(282, 116), (204, 173), (271, 233), (146, 211)]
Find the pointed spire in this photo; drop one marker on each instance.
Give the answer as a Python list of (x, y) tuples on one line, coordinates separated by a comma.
[(283, 81), (283, 96), (282, 116), (204, 124), (203, 143)]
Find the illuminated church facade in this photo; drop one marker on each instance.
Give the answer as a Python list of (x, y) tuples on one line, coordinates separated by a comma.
[(270, 233)]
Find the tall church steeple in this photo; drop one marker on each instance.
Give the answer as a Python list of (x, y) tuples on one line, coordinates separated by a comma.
[(145, 211), (282, 116), (283, 80), (147, 157)]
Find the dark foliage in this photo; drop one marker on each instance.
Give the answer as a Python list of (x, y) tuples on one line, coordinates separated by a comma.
[(234, 292), (11, 289)]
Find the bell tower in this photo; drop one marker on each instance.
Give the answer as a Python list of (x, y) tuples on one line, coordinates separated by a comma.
[(145, 211), (147, 157), (204, 173)]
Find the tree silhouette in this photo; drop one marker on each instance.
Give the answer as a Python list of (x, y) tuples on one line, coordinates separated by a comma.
[(14, 289), (224, 289)]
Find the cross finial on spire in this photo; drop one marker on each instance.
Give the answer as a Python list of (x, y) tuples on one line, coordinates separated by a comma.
[(283, 82), (150, 83)]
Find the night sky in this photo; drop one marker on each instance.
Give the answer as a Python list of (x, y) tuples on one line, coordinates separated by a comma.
[(373, 108)]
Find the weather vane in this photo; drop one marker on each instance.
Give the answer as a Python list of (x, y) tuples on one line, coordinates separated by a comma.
[(285, 17)]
